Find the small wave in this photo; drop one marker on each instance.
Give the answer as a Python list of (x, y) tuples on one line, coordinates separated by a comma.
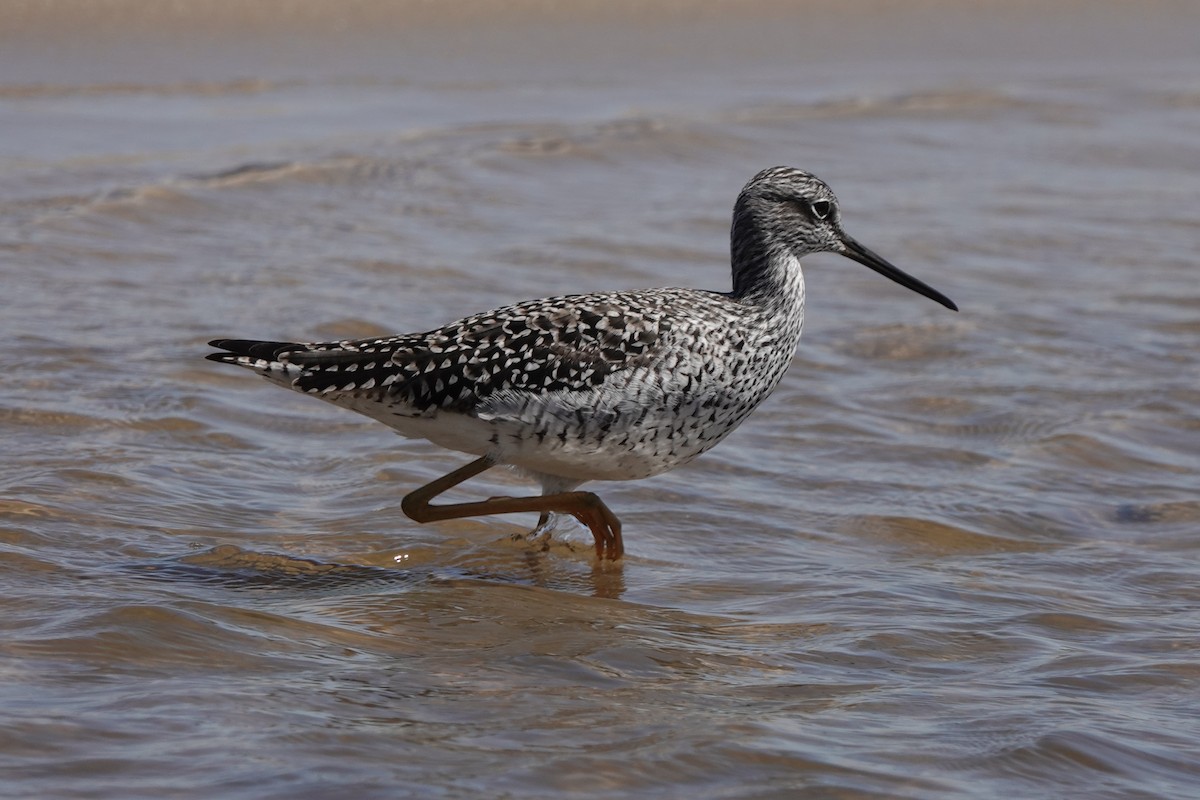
[(52, 419), (1154, 513), (234, 567), (560, 139), (1066, 755), (928, 102), (913, 534), (252, 170), (242, 86), (1096, 453), (905, 342)]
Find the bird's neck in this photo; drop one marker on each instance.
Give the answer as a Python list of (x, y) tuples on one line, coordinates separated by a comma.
[(765, 272)]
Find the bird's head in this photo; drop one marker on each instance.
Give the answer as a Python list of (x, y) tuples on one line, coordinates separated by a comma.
[(792, 212)]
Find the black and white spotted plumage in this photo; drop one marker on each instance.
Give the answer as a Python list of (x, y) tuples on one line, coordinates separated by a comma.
[(556, 344), (608, 386)]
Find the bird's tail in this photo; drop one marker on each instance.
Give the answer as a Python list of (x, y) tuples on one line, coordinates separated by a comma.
[(269, 359)]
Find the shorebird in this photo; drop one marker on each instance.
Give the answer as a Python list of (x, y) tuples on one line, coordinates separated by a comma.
[(604, 386)]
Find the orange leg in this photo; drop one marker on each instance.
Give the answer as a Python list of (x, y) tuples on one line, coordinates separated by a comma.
[(584, 506)]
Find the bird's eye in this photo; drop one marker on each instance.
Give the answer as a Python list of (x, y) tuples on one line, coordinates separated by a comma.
[(821, 209)]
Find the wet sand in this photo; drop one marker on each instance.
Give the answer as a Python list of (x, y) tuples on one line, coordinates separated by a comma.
[(953, 556)]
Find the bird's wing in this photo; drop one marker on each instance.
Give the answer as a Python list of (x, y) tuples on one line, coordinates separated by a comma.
[(541, 346)]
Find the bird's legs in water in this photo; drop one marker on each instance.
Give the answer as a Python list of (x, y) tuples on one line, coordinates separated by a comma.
[(584, 506), (543, 532)]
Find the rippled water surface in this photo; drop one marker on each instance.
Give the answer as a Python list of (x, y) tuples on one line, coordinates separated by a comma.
[(955, 555)]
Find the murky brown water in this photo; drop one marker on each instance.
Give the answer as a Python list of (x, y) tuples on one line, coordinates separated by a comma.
[(955, 555)]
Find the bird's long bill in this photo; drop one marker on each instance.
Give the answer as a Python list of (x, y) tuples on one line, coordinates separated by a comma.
[(867, 258)]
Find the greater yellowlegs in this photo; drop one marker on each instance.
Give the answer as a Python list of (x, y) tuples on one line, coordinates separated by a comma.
[(606, 386)]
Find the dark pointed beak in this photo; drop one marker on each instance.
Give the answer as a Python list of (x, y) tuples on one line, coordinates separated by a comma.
[(867, 258)]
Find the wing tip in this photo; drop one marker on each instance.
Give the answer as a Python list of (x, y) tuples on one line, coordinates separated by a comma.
[(257, 349)]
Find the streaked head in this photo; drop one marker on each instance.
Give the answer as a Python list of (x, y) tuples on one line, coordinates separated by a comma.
[(784, 207)]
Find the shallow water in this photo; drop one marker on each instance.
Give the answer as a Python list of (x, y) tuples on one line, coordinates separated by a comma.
[(954, 555)]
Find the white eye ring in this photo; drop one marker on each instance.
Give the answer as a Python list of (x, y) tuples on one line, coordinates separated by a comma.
[(821, 209)]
